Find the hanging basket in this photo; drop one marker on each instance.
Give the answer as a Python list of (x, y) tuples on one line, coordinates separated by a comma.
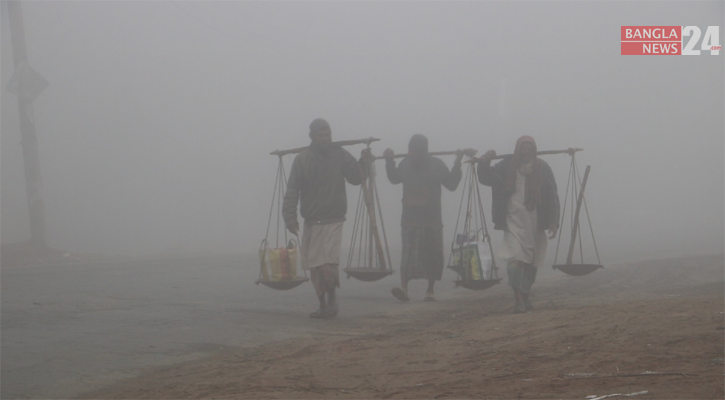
[(367, 245), (367, 274), (278, 265), (578, 269), (570, 268), (471, 251), (481, 284)]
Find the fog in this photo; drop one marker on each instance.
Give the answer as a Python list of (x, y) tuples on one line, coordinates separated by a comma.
[(155, 131)]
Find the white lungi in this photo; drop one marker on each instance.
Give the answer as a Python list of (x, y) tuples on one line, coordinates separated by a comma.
[(320, 245)]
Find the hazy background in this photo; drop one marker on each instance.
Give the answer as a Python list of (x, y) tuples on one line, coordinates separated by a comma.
[(155, 130)]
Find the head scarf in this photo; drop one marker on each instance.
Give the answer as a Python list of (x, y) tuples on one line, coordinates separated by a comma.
[(533, 180), (419, 144)]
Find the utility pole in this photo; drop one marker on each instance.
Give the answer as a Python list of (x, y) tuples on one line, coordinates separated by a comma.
[(27, 84)]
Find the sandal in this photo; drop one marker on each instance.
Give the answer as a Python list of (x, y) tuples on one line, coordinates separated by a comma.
[(429, 297), (330, 311), (319, 313), (400, 294)]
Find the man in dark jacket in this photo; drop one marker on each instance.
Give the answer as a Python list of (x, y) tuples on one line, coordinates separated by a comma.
[(422, 176), (317, 181), (525, 204)]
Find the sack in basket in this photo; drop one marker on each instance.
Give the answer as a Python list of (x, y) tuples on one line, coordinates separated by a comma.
[(278, 264), (467, 258)]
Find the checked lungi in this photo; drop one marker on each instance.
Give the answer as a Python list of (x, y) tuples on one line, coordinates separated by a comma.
[(422, 254)]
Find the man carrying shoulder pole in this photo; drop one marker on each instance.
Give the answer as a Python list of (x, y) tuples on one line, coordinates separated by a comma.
[(525, 204), (422, 176), (317, 181)]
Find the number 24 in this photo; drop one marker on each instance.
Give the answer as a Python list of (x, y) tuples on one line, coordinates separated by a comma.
[(710, 42)]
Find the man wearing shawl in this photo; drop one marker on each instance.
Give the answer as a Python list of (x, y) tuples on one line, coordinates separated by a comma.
[(422, 176), (525, 205), (317, 181)]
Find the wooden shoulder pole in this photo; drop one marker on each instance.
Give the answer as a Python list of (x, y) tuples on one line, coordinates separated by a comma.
[(467, 152), (569, 151), (338, 143)]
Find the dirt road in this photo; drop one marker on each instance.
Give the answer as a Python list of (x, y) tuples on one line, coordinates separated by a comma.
[(654, 327), (79, 323)]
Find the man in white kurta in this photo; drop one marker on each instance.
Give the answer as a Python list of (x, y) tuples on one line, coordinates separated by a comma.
[(522, 241), (524, 246), (525, 206)]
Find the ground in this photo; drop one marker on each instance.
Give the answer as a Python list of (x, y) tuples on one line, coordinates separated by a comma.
[(654, 326), (29, 254)]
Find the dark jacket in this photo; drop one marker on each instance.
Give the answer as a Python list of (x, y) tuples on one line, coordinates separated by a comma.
[(317, 180), (422, 189), (547, 211)]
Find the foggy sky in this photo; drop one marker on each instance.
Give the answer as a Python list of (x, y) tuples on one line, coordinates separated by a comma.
[(155, 131)]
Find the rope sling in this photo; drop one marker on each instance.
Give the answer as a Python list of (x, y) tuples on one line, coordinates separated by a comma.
[(577, 184), (369, 257), (471, 254), (278, 265)]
